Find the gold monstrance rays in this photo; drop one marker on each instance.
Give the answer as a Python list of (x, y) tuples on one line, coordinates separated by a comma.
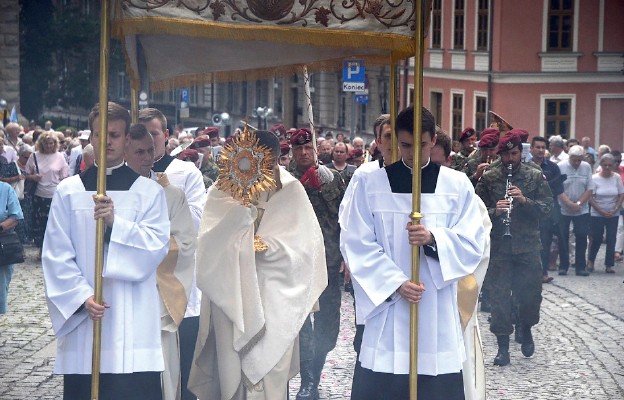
[(246, 168)]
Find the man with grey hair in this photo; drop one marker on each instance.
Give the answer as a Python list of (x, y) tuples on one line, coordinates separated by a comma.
[(556, 147), (577, 189), (358, 143), (12, 139), (586, 143)]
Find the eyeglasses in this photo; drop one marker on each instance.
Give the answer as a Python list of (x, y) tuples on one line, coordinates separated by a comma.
[(606, 165)]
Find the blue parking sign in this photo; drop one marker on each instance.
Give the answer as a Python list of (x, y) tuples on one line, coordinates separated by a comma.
[(353, 71), (184, 95)]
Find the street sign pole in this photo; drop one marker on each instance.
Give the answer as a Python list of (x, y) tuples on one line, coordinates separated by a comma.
[(354, 80), (353, 110)]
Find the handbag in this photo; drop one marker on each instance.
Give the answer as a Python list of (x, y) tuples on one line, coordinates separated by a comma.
[(30, 186), (11, 249), (10, 170)]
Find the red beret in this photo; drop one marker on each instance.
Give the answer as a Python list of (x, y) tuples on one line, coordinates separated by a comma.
[(211, 132), (468, 132), (489, 140), (189, 155), (301, 136), (489, 131), (292, 130), (509, 141), (278, 129), (524, 135), (199, 142), (284, 149), (356, 153)]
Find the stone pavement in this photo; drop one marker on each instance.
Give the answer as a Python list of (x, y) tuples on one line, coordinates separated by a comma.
[(579, 344)]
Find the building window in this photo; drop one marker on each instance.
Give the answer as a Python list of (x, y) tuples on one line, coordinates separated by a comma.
[(436, 107), (121, 86), (458, 25), (482, 25), (480, 113), (277, 90), (436, 24), (558, 117), (458, 111), (193, 94), (560, 25), (363, 124), (342, 113)]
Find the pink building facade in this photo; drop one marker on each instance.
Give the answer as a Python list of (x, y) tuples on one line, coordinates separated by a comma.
[(553, 66)]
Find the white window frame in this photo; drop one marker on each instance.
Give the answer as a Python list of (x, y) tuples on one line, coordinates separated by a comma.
[(441, 28), (551, 96), (463, 119), (599, 98), (545, 27), (476, 25), (453, 27), (476, 94)]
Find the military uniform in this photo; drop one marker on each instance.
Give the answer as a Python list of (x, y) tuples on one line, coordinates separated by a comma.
[(318, 336), (515, 264), (459, 161), (470, 169), (210, 172)]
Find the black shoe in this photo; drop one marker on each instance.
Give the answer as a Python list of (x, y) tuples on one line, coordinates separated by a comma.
[(563, 272), (528, 346), (582, 273), (502, 358), (308, 391)]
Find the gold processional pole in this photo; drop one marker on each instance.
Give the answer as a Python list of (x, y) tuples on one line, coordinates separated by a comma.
[(101, 191), (394, 156), (416, 215), (134, 105)]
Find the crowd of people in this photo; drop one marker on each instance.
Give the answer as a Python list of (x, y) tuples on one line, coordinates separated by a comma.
[(207, 296)]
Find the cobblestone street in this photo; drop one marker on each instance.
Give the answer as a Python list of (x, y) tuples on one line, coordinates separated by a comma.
[(579, 344)]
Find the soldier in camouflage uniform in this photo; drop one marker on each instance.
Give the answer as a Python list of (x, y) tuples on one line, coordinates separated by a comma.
[(515, 262), (208, 167), (467, 142), (319, 338), (488, 146)]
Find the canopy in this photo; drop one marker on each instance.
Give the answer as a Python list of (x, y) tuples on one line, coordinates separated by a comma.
[(190, 41)]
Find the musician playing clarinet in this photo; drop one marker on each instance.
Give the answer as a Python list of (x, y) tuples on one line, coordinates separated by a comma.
[(515, 264)]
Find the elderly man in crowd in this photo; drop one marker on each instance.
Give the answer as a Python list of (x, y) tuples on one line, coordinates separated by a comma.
[(574, 203)]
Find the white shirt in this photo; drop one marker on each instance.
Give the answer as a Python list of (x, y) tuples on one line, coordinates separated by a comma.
[(561, 157), (73, 157)]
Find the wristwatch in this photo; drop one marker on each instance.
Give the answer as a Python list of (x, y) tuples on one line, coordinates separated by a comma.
[(578, 203)]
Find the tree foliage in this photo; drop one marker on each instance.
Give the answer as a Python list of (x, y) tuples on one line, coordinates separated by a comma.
[(60, 57)]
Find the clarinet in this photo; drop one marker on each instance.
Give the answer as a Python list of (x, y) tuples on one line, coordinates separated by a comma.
[(507, 218)]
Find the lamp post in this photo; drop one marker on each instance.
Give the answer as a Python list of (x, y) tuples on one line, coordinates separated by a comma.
[(262, 113)]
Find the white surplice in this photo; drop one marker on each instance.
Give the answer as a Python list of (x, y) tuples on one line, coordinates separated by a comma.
[(139, 240), (175, 277), (473, 370), (187, 176), (377, 248)]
